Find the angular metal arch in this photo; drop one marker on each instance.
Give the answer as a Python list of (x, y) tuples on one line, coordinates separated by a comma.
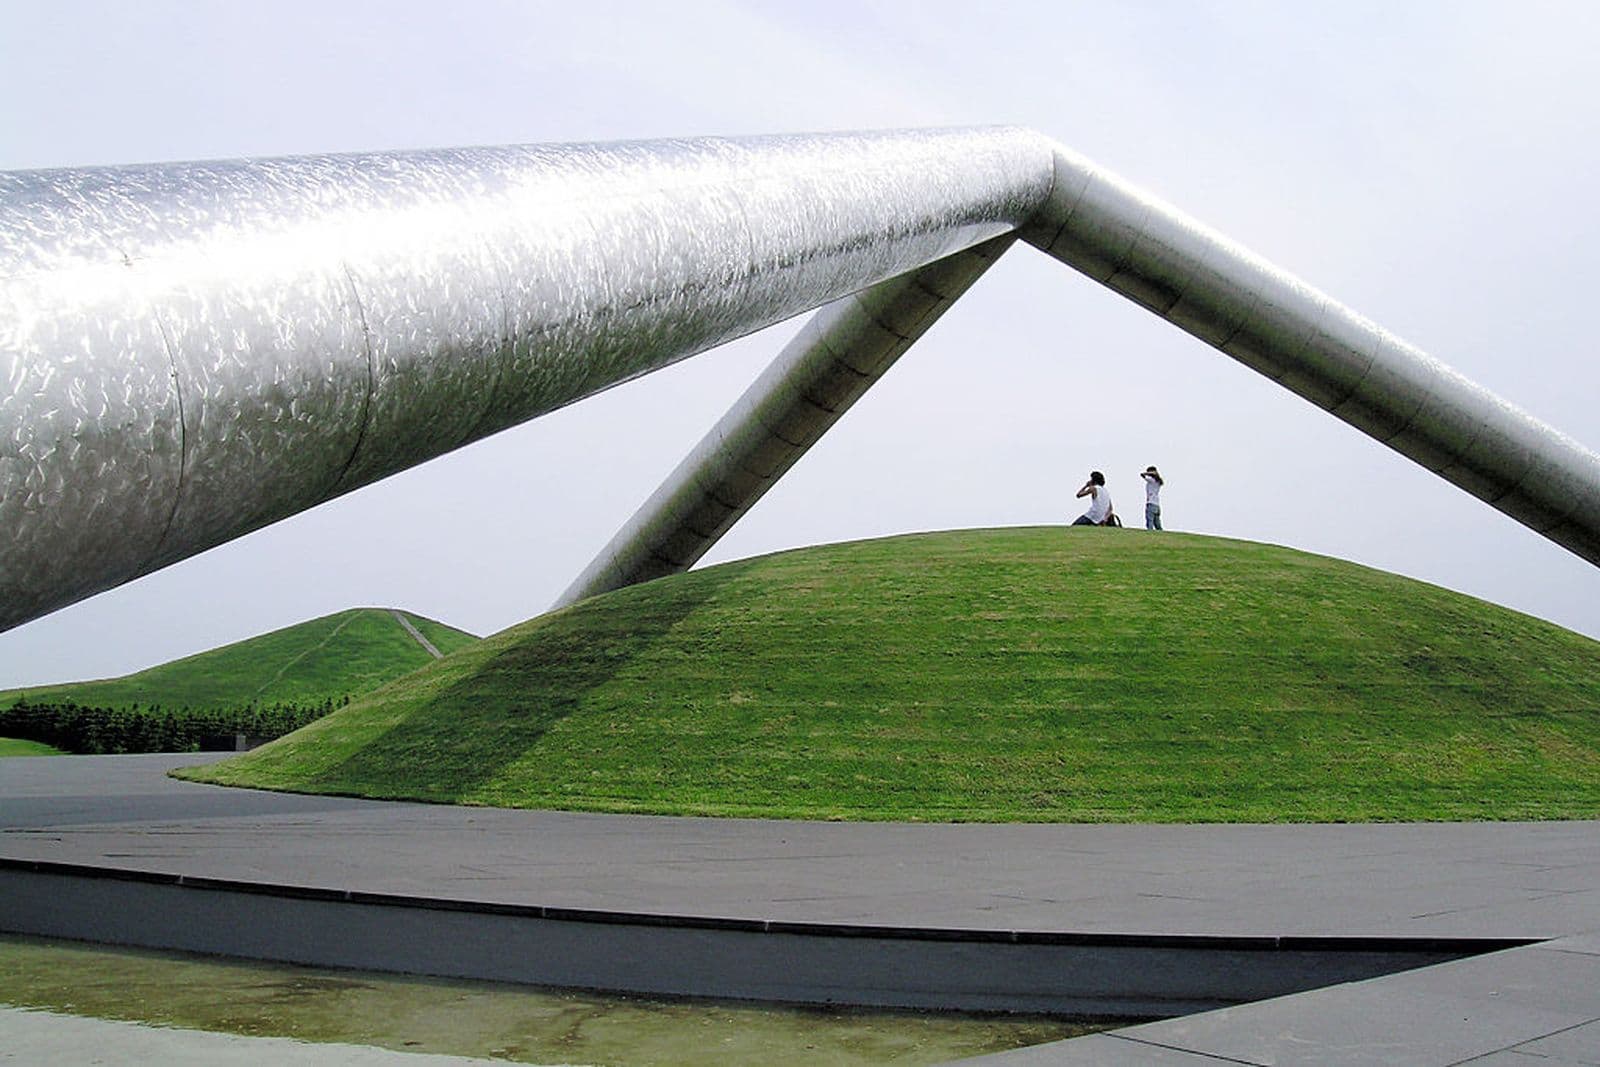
[(1189, 275), (193, 351)]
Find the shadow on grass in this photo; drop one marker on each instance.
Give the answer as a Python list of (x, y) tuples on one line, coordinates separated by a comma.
[(452, 744)]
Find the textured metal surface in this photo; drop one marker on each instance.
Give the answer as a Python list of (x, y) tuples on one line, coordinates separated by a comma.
[(192, 351), (1308, 343), (1221, 293), (845, 347)]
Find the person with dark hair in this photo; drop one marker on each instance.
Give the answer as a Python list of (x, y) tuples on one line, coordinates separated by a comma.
[(1099, 513), (1152, 497)]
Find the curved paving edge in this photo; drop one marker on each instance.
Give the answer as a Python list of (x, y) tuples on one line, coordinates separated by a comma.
[(1074, 917), (691, 955)]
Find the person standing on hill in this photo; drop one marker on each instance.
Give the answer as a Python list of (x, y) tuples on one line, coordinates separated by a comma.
[(1152, 497), (1099, 512)]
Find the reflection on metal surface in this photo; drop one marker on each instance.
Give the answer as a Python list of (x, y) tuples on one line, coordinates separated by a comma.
[(1310, 344), (846, 347), (192, 351), (1224, 295)]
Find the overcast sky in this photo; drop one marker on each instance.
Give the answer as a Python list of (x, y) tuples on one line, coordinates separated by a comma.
[(1432, 165)]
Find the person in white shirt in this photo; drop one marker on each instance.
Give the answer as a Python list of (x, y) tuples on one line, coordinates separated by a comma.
[(1152, 497), (1099, 513)]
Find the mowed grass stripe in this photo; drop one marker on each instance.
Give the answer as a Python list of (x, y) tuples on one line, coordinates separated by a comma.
[(1023, 674)]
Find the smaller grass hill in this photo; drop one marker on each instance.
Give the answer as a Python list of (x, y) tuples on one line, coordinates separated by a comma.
[(326, 659), (10, 746), (1044, 674)]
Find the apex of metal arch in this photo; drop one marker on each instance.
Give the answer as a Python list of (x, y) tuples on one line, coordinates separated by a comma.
[(197, 350)]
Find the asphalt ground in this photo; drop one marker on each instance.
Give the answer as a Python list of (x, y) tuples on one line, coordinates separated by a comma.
[(1529, 881)]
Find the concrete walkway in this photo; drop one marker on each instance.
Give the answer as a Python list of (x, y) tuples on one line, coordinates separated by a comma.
[(35, 1037), (427, 646), (995, 884)]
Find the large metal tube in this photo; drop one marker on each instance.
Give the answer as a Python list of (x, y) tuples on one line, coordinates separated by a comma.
[(1242, 305), (192, 351), (1314, 346), (845, 348)]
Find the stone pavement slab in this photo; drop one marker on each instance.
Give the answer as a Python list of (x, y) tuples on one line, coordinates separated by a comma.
[(1504, 880), (1532, 881), (1523, 1003)]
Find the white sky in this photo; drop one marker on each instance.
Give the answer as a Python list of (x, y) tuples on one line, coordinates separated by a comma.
[(1432, 165)]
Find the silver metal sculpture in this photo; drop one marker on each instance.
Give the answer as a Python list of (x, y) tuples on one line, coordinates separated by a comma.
[(845, 348), (193, 351), (1199, 281)]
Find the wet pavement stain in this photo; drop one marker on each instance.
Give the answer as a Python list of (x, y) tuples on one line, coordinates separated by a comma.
[(509, 1022)]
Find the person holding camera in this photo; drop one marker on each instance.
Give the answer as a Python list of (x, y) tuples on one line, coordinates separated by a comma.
[(1099, 513), (1152, 497)]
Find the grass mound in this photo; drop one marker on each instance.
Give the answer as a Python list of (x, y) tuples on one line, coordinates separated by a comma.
[(347, 654), (1023, 674), (13, 746)]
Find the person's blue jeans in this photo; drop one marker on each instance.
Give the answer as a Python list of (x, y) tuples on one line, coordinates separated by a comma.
[(1152, 516)]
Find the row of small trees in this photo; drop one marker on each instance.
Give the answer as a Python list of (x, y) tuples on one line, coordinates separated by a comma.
[(88, 730)]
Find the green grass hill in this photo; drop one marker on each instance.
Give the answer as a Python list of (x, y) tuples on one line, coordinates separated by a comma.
[(1022, 674), (347, 654), (10, 746)]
